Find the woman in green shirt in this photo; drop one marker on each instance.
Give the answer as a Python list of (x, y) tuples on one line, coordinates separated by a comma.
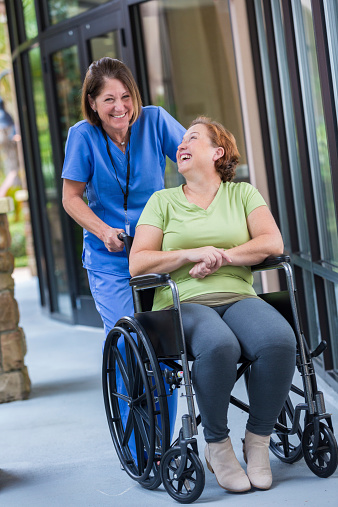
[(206, 234)]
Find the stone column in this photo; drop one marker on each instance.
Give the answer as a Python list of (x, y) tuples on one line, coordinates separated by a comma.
[(22, 196), (14, 378)]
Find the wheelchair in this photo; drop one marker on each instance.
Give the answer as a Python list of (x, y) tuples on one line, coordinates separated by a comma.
[(155, 356)]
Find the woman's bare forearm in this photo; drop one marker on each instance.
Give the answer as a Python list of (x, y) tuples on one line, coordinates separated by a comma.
[(150, 261), (256, 250), (156, 261)]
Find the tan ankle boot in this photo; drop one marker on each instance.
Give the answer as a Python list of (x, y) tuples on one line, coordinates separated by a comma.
[(221, 461), (256, 455)]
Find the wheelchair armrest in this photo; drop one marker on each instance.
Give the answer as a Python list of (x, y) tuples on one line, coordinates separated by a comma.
[(150, 279), (270, 262)]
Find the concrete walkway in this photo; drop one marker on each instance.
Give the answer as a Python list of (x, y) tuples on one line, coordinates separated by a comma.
[(56, 450)]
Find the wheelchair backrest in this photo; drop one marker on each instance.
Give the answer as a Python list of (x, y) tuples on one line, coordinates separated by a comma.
[(281, 301)]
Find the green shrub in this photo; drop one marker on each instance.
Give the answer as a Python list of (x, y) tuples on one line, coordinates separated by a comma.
[(18, 246)]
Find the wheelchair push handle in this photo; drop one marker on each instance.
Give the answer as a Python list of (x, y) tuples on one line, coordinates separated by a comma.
[(150, 279), (127, 240)]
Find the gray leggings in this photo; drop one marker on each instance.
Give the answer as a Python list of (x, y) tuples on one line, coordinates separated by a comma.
[(216, 337)]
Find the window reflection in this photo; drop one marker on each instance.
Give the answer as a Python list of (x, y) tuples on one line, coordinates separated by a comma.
[(67, 76), (48, 172), (64, 9), (335, 318), (106, 44), (191, 65), (68, 88), (31, 26), (325, 170)]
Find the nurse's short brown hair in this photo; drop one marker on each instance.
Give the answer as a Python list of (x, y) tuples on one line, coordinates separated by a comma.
[(96, 75)]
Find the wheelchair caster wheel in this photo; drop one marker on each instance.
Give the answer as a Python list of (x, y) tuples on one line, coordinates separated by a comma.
[(323, 460), (187, 487)]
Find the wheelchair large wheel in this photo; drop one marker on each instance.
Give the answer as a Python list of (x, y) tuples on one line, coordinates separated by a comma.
[(188, 486), (287, 448), (323, 460), (135, 402)]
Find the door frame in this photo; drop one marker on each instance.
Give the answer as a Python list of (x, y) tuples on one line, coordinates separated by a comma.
[(106, 20)]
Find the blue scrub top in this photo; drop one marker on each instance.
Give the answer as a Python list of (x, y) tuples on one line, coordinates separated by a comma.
[(154, 136)]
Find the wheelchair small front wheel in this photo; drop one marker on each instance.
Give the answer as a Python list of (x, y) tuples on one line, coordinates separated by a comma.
[(323, 460), (188, 486)]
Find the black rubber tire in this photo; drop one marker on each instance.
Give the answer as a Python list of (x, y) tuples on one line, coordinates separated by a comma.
[(147, 425), (322, 462), (188, 487), (287, 448)]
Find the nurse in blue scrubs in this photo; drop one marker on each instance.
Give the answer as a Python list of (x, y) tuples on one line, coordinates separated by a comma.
[(117, 154)]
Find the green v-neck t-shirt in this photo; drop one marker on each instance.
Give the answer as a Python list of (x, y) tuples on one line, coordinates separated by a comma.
[(222, 225)]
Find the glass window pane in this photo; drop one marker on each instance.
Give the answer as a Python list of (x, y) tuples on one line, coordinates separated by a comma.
[(31, 26), (48, 172), (68, 88), (331, 250), (107, 44), (191, 65), (67, 77), (64, 9), (334, 324)]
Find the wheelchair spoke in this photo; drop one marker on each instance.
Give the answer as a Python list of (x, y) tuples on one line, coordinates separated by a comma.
[(284, 438), (137, 388), (122, 397), (137, 416), (323, 459), (180, 485), (122, 368), (141, 399), (143, 429), (130, 359), (188, 486), (128, 429), (139, 447), (158, 429), (287, 447)]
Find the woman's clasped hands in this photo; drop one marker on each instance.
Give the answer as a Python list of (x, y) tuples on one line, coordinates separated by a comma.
[(208, 259)]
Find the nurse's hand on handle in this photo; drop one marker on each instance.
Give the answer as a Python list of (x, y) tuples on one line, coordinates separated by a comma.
[(111, 240)]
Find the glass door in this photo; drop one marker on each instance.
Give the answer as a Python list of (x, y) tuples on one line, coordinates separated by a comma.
[(66, 59)]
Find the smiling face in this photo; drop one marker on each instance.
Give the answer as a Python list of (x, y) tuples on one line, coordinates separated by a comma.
[(196, 151), (114, 106)]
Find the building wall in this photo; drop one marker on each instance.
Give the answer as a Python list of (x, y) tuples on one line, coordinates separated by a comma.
[(265, 69)]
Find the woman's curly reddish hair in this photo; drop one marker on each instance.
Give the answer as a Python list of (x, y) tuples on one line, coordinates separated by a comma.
[(220, 136)]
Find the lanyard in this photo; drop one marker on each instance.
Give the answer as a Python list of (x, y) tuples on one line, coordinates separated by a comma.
[(125, 193)]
